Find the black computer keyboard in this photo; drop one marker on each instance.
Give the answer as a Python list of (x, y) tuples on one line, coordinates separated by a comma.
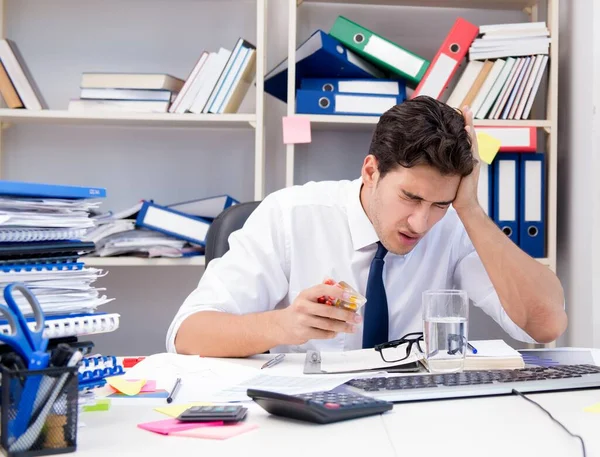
[(478, 383)]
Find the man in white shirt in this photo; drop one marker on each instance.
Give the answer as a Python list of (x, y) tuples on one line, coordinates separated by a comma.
[(414, 210)]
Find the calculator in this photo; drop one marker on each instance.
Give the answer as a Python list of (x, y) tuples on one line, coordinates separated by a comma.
[(225, 413), (319, 407)]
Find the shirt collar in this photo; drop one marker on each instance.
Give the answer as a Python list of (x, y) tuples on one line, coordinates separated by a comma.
[(362, 231)]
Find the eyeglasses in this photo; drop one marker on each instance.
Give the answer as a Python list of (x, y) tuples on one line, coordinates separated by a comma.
[(398, 350)]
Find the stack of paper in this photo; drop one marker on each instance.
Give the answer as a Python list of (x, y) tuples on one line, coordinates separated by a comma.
[(58, 289)]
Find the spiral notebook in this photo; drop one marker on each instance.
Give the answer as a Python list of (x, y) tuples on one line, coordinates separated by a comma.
[(73, 325), (25, 235)]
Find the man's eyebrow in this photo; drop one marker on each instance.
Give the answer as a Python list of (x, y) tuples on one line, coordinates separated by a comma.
[(418, 198)]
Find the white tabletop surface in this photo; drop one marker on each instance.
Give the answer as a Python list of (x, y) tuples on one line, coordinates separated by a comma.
[(494, 426)]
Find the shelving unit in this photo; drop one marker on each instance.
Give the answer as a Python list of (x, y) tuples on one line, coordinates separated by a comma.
[(8, 116), (225, 122), (549, 124), (141, 262)]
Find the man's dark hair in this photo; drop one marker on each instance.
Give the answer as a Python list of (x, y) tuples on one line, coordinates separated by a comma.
[(422, 131)]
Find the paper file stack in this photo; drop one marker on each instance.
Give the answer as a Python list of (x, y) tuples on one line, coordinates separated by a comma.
[(41, 231)]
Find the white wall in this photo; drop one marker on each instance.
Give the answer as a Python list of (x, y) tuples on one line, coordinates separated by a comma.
[(62, 38), (578, 207)]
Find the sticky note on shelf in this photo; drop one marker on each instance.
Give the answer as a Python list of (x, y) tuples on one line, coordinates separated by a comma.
[(296, 129), (488, 146), (126, 386), (176, 410)]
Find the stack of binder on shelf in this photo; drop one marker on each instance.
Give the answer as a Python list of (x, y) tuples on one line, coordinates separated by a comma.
[(349, 71), (41, 231), (512, 189), (151, 230)]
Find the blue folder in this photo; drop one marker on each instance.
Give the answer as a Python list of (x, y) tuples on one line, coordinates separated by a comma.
[(318, 102), (173, 223), (37, 190), (320, 56), (371, 86), (532, 220), (506, 194)]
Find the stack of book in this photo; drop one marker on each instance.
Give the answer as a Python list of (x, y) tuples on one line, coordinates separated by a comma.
[(129, 92), (504, 72), (150, 230), (219, 81), (41, 231)]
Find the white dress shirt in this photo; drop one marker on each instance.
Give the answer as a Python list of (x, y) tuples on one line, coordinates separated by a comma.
[(300, 235)]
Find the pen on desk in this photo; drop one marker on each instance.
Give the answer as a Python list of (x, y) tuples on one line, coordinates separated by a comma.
[(273, 361), (175, 387), (472, 348)]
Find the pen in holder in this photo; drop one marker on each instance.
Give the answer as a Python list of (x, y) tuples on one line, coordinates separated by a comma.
[(52, 426)]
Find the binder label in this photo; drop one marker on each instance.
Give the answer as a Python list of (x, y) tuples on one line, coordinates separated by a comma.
[(396, 57), (438, 76), (533, 190), (507, 210)]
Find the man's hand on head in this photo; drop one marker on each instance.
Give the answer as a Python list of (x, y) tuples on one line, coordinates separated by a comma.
[(466, 197)]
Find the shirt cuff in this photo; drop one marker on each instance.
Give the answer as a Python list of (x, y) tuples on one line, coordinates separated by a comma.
[(174, 327), (493, 307)]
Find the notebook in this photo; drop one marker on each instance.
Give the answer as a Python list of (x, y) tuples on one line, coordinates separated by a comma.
[(73, 325), (492, 355)]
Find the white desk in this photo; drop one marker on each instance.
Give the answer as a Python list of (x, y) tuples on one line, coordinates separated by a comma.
[(494, 426)]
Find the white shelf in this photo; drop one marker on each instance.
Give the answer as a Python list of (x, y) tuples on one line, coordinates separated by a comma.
[(129, 119), (471, 4), (326, 121), (140, 262), (164, 262)]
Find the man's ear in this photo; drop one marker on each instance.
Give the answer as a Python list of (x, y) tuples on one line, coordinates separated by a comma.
[(370, 172)]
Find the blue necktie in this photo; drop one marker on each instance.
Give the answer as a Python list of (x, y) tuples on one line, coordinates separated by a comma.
[(375, 328)]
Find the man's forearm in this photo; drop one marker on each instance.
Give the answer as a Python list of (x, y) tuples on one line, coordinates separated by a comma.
[(530, 292), (218, 334)]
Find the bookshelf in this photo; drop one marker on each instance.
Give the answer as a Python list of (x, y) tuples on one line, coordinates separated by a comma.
[(11, 116), (141, 262), (223, 123), (547, 122)]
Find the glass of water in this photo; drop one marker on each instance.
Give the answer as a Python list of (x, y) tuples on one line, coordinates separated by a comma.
[(445, 319)]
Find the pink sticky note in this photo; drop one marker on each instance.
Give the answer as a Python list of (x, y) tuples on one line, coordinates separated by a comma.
[(296, 129), (169, 426), (150, 386), (217, 433)]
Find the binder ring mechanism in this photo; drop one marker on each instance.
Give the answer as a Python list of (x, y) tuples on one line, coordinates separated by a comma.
[(532, 231), (507, 231), (359, 38), (324, 102)]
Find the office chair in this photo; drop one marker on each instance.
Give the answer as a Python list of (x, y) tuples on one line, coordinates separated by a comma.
[(222, 226)]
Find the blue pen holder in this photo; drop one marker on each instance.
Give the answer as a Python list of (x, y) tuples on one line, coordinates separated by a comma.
[(52, 427)]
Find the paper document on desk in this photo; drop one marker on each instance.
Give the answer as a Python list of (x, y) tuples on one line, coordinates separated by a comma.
[(290, 385), (365, 360)]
